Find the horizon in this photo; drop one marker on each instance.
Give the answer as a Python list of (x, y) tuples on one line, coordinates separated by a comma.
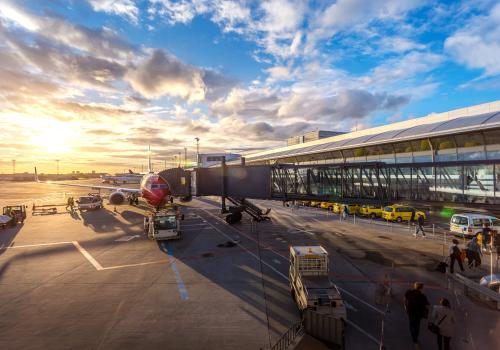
[(90, 84)]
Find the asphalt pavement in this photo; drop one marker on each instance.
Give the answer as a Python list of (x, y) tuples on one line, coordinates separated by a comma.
[(92, 280)]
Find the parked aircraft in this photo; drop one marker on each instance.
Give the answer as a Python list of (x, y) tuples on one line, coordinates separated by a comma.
[(126, 178), (153, 189)]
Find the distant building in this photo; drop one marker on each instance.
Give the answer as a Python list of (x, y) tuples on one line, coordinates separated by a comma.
[(206, 160), (311, 136)]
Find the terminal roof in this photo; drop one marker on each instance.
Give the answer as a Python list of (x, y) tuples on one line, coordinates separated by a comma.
[(482, 117)]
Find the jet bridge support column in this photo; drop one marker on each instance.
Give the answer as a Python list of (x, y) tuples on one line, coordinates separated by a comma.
[(223, 186)]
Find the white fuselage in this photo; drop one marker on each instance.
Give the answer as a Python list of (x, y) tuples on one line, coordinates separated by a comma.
[(123, 178)]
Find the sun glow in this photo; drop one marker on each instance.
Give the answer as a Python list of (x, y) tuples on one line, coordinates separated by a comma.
[(56, 138)]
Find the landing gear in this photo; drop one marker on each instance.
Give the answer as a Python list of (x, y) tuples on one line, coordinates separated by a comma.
[(133, 200)]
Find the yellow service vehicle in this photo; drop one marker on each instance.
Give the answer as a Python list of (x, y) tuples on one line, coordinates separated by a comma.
[(327, 205), (371, 211), (338, 208), (314, 204), (401, 213)]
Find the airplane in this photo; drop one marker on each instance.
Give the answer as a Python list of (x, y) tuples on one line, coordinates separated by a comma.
[(130, 177), (152, 188)]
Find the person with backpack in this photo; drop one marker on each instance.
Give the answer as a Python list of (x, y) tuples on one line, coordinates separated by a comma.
[(442, 323), (474, 253), (455, 255)]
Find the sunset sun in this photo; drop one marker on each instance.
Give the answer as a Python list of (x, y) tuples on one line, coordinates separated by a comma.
[(54, 139)]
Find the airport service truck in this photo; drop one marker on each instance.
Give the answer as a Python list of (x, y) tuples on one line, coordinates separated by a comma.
[(316, 295), (164, 224)]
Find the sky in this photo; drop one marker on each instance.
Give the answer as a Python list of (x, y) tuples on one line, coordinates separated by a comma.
[(92, 83)]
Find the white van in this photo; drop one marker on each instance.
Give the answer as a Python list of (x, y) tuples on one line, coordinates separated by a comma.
[(469, 225)]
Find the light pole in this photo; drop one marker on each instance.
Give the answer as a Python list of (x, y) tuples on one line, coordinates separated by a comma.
[(197, 151), (179, 159), (185, 157)]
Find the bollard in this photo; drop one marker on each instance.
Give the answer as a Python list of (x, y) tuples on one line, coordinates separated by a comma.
[(354, 218), (433, 230)]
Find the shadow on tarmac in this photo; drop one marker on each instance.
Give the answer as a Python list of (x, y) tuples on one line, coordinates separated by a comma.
[(234, 270), (106, 221), (7, 236)]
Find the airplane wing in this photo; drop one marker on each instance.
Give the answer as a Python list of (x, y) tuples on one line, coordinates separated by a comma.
[(93, 187)]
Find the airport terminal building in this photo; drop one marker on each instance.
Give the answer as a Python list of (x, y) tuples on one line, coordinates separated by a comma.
[(445, 157)]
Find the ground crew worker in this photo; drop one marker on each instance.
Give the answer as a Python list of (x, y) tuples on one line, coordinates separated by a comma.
[(70, 204), (345, 212)]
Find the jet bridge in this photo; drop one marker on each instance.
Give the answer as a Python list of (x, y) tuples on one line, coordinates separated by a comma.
[(376, 183)]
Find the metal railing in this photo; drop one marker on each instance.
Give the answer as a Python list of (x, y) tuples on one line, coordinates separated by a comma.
[(289, 336), (474, 289)]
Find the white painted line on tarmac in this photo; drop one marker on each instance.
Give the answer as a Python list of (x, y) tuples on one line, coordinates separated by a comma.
[(361, 330), (126, 238), (245, 248), (350, 307), (138, 264), (87, 255), (191, 225), (361, 301), (35, 245), (286, 277)]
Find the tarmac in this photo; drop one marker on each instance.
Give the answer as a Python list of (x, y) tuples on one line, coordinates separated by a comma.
[(92, 280)]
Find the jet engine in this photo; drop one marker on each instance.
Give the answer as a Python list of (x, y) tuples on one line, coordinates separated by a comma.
[(117, 198)]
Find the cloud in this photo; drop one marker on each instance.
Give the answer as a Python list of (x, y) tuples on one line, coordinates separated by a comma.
[(355, 15), (406, 66), (64, 64), (346, 104), (252, 103), (162, 74), (100, 132), (125, 8), (155, 141), (101, 42), (477, 45)]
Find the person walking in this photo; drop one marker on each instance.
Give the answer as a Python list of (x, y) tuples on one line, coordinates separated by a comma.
[(442, 323), (420, 226), (70, 204), (474, 253), (416, 306), (345, 212), (485, 235), (455, 255)]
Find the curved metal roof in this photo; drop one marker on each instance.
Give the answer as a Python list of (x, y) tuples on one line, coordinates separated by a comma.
[(452, 126)]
